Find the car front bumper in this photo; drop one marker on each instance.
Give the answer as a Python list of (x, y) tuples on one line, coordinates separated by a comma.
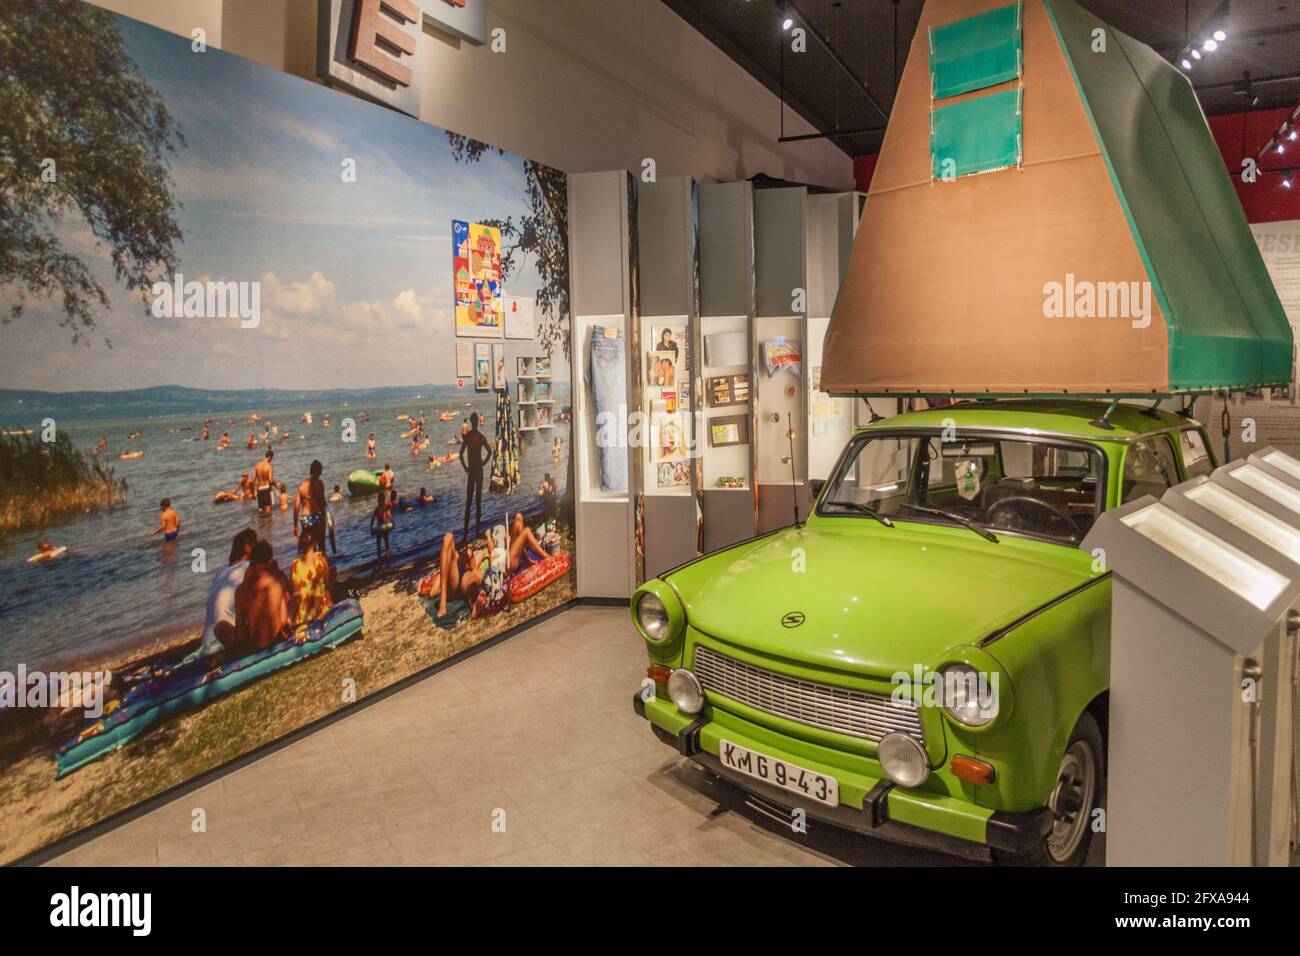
[(870, 806)]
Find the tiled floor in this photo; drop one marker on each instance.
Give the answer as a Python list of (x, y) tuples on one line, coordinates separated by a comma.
[(527, 753)]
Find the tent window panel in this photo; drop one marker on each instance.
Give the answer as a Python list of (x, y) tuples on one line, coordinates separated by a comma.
[(976, 52), (976, 135)]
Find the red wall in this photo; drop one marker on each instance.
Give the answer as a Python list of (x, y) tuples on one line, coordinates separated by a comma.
[(1240, 135), (1265, 200)]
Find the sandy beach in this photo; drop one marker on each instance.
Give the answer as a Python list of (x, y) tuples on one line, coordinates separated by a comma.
[(399, 639)]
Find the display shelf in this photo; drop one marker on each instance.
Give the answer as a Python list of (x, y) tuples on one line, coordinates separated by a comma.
[(720, 335)]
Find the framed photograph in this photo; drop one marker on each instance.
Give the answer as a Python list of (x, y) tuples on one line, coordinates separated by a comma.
[(728, 390), (728, 430), (661, 370), (498, 366), (544, 391), (542, 366), (464, 359), (671, 338), (668, 438), (482, 366), (519, 315), (674, 474)]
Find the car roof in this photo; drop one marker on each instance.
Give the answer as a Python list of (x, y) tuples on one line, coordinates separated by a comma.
[(1064, 417)]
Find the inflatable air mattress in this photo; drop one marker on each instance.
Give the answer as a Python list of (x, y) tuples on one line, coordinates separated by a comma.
[(182, 687)]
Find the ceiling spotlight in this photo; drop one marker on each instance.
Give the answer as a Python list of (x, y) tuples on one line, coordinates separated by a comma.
[(1292, 136), (1280, 149), (1187, 64), (1286, 183), (1211, 45), (787, 23), (1196, 54), (1220, 36)]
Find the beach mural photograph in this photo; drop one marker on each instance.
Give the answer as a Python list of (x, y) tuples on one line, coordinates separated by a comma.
[(284, 402)]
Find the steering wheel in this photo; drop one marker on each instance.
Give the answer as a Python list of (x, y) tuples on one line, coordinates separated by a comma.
[(1019, 501)]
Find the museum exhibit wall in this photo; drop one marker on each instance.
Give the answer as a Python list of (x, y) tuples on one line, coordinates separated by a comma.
[(380, 272), (648, 84)]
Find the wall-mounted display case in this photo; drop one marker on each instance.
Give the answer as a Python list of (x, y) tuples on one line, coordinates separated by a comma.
[(602, 269)]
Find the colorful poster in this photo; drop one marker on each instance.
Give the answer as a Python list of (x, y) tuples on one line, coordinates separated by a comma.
[(476, 265), (482, 366), (520, 321)]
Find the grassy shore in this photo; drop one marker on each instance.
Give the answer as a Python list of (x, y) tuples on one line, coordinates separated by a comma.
[(399, 639), (42, 482)]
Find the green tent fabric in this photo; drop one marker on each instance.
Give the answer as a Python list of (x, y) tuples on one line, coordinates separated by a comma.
[(976, 135), (976, 52), (1225, 323)]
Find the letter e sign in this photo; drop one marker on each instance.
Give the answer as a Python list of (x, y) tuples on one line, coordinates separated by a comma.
[(370, 27)]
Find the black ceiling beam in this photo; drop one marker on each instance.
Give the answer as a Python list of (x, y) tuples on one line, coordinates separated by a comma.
[(702, 25), (838, 60)]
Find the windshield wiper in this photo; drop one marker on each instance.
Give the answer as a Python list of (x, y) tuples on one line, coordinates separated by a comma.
[(862, 509), (958, 519)]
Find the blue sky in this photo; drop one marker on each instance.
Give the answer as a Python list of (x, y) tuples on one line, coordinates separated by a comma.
[(356, 278)]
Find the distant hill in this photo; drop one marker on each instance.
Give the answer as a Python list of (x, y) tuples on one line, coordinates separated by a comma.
[(25, 408)]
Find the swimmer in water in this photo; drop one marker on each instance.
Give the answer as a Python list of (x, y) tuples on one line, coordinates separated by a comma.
[(169, 522)]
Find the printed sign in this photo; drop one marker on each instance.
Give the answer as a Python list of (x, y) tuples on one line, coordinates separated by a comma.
[(371, 47)]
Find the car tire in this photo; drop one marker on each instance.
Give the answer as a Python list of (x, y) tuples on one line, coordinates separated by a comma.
[(1079, 791)]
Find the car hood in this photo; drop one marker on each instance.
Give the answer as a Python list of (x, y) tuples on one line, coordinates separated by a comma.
[(874, 600)]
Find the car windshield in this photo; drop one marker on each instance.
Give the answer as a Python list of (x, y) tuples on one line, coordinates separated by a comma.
[(1044, 488)]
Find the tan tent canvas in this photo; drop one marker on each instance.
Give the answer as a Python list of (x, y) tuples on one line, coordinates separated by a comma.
[(1049, 214)]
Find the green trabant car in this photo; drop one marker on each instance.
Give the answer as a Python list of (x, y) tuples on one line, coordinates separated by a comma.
[(927, 657)]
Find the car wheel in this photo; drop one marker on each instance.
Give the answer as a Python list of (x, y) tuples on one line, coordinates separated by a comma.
[(1080, 787)]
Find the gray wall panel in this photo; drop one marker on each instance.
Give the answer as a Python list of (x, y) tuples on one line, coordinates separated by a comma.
[(778, 248)]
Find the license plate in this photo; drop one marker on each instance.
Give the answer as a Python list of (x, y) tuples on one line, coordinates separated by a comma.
[(778, 773)]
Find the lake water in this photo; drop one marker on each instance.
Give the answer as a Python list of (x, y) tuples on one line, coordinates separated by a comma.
[(118, 588)]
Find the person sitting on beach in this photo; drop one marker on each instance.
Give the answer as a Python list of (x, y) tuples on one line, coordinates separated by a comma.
[(264, 476), (309, 506), (522, 541), (312, 579), (459, 575), (548, 493), (381, 525), (223, 442), (261, 604), (336, 494), (169, 522), (219, 622)]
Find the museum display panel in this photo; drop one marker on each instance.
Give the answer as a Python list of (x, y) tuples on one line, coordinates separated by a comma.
[(490, 433), (264, 318)]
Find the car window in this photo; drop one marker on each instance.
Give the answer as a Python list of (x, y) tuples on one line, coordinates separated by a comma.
[(1035, 487), (1149, 468), (1196, 457)]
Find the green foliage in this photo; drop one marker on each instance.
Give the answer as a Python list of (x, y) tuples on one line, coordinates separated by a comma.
[(70, 93), (41, 482)]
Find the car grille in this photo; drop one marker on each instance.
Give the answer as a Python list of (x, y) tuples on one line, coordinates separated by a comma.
[(855, 713)]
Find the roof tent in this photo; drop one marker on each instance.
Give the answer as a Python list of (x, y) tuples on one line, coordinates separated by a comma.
[(1050, 215)]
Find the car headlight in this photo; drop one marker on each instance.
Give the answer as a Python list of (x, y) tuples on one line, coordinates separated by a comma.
[(653, 617), (969, 696), (903, 759), (685, 690)]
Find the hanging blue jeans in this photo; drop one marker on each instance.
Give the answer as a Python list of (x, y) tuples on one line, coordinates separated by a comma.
[(607, 381)]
